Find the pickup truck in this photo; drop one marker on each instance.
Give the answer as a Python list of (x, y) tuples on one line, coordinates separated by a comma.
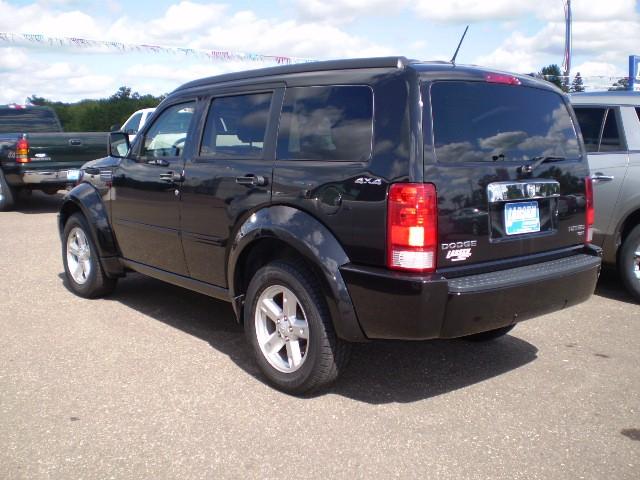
[(610, 124), (35, 154)]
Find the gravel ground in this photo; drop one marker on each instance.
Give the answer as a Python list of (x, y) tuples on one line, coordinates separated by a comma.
[(157, 382)]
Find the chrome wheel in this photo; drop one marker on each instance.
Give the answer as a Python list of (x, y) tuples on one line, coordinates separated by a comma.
[(636, 262), (78, 256), (282, 329)]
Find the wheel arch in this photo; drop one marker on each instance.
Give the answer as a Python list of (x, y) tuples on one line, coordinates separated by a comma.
[(85, 199), (283, 232)]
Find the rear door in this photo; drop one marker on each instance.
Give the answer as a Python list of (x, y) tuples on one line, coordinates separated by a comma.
[(608, 162), (228, 176), (508, 169)]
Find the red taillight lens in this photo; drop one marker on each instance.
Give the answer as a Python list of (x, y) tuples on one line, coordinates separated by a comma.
[(589, 209), (497, 78), (22, 151), (412, 227)]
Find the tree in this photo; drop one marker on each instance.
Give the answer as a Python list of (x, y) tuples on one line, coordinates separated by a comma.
[(98, 115), (577, 85), (551, 73), (621, 84)]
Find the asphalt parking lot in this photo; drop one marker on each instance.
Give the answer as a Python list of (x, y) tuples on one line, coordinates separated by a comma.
[(156, 382)]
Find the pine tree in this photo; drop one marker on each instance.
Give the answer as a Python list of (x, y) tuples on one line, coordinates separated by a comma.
[(552, 73), (577, 85)]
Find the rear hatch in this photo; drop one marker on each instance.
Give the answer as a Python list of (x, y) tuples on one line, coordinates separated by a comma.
[(508, 167)]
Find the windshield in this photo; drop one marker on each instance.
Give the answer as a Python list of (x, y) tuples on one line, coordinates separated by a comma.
[(28, 120), (486, 122)]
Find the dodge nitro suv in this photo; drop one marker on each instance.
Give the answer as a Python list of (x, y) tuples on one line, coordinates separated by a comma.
[(347, 201)]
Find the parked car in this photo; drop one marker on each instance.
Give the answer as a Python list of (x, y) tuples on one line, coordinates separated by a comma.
[(326, 220), (136, 121), (35, 154), (610, 124)]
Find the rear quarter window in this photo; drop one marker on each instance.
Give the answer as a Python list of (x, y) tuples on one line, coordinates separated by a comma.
[(485, 122), (326, 123)]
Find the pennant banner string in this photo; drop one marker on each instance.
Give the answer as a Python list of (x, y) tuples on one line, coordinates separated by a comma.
[(34, 40)]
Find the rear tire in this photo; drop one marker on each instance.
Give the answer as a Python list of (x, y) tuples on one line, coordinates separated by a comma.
[(629, 262), (82, 267), (289, 328), (489, 335), (7, 194)]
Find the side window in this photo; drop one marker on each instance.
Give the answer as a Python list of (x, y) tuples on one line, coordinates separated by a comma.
[(611, 141), (236, 126), (168, 134), (132, 124), (326, 123), (590, 120)]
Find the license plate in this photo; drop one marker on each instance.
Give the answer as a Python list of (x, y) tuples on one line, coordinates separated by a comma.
[(73, 175), (521, 217)]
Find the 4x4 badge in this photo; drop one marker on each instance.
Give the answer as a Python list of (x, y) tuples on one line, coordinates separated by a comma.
[(368, 181)]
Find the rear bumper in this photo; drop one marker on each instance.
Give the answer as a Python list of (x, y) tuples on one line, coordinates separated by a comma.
[(394, 305), (49, 177)]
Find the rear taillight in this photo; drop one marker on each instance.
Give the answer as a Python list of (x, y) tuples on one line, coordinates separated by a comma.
[(22, 150), (589, 209), (412, 227), (499, 78)]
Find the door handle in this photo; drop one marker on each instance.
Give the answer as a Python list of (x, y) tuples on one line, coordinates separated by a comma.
[(599, 177), (74, 142), (257, 180), (173, 177)]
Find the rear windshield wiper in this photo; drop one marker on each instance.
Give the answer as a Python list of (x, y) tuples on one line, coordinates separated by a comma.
[(537, 161)]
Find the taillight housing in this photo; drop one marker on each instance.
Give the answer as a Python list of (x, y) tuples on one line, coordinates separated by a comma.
[(22, 150), (412, 227), (590, 212), (501, 78)]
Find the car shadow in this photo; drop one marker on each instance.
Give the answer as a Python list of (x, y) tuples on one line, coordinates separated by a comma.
[(38, 202), (610, 286), (379, 372)]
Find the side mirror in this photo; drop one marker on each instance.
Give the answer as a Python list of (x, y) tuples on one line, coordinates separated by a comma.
[(114, 128), (118, 144)]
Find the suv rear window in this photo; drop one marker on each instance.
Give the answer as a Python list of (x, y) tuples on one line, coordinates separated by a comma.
[(485, 122), (326, 123)]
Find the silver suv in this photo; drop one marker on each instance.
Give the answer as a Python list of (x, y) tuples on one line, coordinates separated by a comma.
[(610, 124)]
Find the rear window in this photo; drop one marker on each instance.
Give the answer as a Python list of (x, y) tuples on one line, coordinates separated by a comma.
[(29, 120), (484, 122)]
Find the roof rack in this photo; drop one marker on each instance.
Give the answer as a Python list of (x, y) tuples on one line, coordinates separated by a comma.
[(346, 64)]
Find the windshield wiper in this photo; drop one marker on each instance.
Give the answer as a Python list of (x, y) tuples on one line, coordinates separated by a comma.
[(537, 161)]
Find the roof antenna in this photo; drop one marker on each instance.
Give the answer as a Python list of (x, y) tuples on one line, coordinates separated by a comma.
[(453, 59)]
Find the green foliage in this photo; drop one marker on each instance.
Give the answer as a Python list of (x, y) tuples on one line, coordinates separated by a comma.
[(577, 85), (99, 115), (622, 84), (552, 74)]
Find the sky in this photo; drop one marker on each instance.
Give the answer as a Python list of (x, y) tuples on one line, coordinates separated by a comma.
[(515, 35)]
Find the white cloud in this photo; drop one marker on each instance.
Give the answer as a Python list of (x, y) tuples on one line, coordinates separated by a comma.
[(343, 11)]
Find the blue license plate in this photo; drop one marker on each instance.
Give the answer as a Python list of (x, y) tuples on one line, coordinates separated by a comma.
[(521, 217)]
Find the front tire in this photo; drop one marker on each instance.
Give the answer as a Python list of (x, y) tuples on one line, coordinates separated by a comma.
[(82, 267), (288, 326), (629, 262), (7, 194)]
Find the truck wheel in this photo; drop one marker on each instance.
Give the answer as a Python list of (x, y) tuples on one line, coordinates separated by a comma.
[(489, 335), (80, 258), (288, 326), (7, 194), (629, 262)]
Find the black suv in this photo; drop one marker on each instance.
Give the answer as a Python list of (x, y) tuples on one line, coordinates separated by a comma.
[(350, 200)]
